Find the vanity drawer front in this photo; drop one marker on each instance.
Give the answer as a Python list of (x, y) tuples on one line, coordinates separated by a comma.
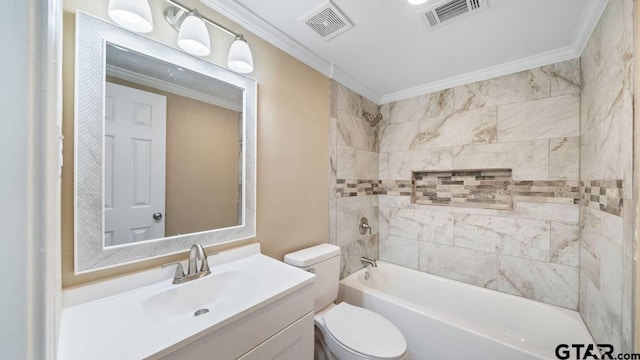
[(292, 343), (240, 336)]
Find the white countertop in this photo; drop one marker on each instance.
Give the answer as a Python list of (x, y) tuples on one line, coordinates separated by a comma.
[(120, 327)]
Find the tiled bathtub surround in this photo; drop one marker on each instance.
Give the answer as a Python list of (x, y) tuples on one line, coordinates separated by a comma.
[(354, 155), (489, 189), (606, 130), (527, 122)]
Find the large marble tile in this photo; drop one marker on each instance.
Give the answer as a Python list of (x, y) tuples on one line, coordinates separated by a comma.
[(333, 98), (459, 128), (601, 264), (402, 163), (356, 132), (349, 102), (628, 253), (564, 158), (417, 108), (366, 166), (607, 98), (383, 166), (398, 137), (346, 162), (565, 77), (469, 266), (565, 243), (384, 214), (400, 251), (349, 211), (352, 252), (433, 226), (540, 119), (333, 175), (529, 160), (433, 159), (395, 201), (526, 85), (603, 321), (550, 283), (509, 236), (567, 213)]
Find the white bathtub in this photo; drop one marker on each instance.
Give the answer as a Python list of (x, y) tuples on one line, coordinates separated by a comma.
[(444, 319)]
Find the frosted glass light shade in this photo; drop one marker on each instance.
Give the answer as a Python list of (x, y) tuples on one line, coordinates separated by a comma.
[(240, 58), (194, 36), (134, 15)]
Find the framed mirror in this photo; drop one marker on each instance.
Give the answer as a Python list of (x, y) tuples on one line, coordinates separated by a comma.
[(165, 150)]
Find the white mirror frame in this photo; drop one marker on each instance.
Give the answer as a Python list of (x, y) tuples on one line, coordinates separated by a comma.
[(92, 34)]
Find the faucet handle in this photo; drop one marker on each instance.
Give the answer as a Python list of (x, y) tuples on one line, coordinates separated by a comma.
[(179, 270), (204, 267)]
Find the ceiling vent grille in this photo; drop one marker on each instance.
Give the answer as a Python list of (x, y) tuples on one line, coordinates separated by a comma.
[(328, 21), (445, 11)]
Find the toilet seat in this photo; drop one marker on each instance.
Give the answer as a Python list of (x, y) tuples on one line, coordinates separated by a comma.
[(364, 333)]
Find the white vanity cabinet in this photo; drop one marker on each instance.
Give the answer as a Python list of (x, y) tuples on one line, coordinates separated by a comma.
[(282, 330)]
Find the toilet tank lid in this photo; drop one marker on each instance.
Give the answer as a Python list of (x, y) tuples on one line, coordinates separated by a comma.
[(312, 255)]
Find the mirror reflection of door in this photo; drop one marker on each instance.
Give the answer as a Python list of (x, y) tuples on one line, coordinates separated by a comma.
[(134, 156)]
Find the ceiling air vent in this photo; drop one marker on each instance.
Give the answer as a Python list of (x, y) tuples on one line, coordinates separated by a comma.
[(328, 21), (445, 11)]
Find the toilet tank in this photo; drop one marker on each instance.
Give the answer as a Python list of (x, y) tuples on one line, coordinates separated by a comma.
[(324, 261)]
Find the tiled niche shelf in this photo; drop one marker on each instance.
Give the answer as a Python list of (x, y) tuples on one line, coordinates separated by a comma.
[(488, 189)]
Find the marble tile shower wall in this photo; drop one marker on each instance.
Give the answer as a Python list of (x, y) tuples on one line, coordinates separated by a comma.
[(354, 155), (606, 129), (528, 122)]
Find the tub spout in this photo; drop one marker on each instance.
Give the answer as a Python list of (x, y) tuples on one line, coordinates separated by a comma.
[(366, 260)]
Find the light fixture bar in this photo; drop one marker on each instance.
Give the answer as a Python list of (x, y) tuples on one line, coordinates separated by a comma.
[(204, 18)]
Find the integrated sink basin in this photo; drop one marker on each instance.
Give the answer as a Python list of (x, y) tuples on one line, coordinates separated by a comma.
[(145, 316), (217, 292)]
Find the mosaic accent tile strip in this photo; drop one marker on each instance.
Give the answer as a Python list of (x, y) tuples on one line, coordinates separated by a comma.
[(553, 191), (490, 189), (603, 195), (346, 188)]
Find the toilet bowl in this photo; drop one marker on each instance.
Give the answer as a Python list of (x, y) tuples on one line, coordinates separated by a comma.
[(347, 332)]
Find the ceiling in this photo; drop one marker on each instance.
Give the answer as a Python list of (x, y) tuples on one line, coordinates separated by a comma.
[(390, 54)]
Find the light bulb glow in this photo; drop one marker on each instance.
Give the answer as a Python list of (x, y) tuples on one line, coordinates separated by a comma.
[(134, 15), (240, 58), (194, 36)]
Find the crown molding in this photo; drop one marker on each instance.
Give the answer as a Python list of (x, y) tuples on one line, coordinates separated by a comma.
[(511, 67), (258, 26), (345, 79), (589, 20), (261, 28)]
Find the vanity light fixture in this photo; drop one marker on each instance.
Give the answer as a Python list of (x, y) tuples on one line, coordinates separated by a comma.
[(193, 36), (240, 58), (134, 15)]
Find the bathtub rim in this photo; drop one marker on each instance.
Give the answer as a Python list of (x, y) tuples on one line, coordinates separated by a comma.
[(530, 348)]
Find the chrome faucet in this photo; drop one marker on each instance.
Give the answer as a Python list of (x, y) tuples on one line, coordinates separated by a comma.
[(366, 260), (195, 253)]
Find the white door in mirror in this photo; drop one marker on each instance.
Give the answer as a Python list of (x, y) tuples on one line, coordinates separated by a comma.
[(134, 165)]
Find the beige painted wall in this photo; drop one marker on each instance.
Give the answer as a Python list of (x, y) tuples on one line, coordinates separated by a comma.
[(201, 164), (293, 127)]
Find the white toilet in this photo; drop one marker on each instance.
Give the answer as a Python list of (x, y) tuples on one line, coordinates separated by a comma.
[(347, 332)]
